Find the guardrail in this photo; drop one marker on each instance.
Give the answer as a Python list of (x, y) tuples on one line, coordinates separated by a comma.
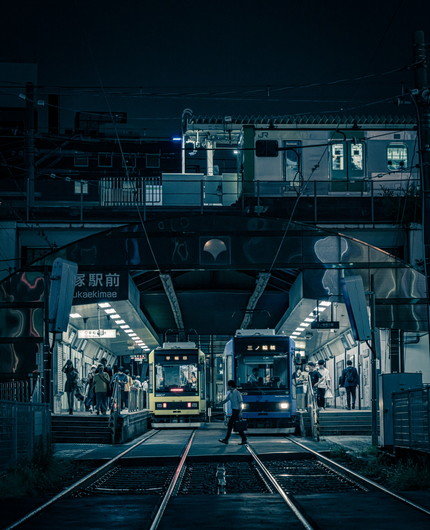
[(203, 192), (25, 429), (411, 419)]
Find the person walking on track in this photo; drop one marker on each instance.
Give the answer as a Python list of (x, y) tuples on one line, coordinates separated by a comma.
[(235, 398), (350, 380)]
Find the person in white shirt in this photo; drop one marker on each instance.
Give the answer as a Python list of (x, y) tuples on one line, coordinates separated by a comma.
[(235, 398), (323, 384)]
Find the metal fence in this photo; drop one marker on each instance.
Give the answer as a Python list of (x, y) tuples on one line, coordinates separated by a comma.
[(411, 419), (18, 390), (25, 429)]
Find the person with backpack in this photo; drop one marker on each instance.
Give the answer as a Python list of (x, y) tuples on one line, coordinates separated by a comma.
[(350, 380)]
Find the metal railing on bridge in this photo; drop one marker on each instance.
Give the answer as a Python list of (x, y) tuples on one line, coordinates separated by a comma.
[(411, 419), (369, 199)]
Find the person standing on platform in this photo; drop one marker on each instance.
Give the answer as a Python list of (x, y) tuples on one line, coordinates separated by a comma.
[(323, 384), (119, 381), (101, 385), (71, 387), (90, 398), (350, 380), (236, 400), (314, 377)]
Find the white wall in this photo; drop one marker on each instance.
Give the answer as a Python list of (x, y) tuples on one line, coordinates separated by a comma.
[(417, 356)]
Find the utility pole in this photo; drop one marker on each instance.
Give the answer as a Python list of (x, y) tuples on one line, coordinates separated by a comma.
[(29, 145), (421, 99)]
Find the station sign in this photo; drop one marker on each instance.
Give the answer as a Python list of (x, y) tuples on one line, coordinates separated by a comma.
[(325, 324), (96, 333), (92, 287), (139, 357)]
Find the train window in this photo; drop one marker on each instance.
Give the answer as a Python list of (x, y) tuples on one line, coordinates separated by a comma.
[(81, 187), (178, 379), (357, 156), (292, 162), (397, 156), (263, 373), (337, 157)]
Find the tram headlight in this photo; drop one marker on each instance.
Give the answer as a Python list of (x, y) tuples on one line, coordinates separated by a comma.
[(284, 405)]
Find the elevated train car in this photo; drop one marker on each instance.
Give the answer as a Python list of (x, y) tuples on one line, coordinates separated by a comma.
[(261, 363), (177, 385)]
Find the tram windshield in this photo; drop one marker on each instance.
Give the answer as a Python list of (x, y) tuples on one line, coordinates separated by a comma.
[(176, 379), (262, 373)]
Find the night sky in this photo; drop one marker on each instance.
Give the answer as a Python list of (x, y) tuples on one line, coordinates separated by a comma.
[(223, 51)]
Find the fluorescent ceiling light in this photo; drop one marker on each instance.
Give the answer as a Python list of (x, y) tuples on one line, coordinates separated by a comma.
[(115, 315), (305, 324), (119, 321), (321, 308), (129, 331), (133, 334), (110, 311), (300, 329), (125, 326), (75, 315), (325, 303), (295, 333), (103, 305), (309, 319)]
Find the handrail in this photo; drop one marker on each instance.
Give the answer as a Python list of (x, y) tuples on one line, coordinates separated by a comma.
[(313, 410)]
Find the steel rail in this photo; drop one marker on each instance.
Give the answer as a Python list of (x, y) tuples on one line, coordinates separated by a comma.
[(295, 509), (81, 482), (168, 494), (363, 478)]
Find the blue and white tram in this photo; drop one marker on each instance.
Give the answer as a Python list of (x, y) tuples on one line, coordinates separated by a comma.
[(261, 363)]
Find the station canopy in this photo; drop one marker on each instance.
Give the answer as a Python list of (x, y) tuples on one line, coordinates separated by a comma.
[(212, 274)]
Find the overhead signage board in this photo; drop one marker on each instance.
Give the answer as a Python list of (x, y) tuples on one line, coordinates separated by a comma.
[(96, 333), (139, 358), (261, 345), (324, 324), (92, 287)]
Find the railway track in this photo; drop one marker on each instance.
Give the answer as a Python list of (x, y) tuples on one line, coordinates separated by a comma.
[(169, 481)]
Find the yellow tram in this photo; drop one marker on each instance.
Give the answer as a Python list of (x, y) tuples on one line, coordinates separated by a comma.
[(177, 385)]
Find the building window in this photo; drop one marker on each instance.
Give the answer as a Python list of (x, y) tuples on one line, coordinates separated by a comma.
[(357, 156), (81, 161), (105, 160), (397, 157), (337, 157), (153, 161), (128, 161)]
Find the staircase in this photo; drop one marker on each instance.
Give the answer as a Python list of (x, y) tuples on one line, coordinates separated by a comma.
[(345, 422), (81, 429)]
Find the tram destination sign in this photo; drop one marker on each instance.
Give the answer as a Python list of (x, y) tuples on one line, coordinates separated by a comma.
[(261, 345), (325, 324)]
